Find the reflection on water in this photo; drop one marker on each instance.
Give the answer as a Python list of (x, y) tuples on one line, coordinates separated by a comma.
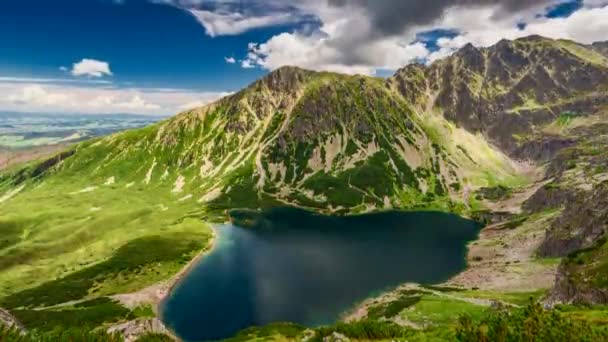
[(295, 266)]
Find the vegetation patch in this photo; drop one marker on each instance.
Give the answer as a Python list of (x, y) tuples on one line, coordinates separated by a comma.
[(286, 330), (137, 257), (392, 308), (532, 323), (495, 193), (91, 316)]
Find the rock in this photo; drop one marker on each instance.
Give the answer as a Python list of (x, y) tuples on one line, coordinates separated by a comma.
[(336, 337), (568, 291), (549, 196), (488, 217), (582, 223), (542, 149), (509, 90), (10, 321), (132, 330)]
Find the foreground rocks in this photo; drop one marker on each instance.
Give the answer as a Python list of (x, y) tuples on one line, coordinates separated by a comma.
[(134, 329)]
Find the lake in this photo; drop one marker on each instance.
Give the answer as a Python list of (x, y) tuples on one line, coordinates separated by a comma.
[(291, 265)]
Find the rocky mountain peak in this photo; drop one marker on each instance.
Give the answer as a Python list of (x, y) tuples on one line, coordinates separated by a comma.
[(285, 78)]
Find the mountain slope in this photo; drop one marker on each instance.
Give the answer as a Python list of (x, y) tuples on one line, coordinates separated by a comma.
[(510, 89), (317, 140)]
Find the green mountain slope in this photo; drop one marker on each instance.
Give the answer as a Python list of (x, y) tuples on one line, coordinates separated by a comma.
[(318, 140)]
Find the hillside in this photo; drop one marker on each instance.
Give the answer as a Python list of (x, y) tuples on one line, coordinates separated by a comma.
[(487, 132), (318, 140)]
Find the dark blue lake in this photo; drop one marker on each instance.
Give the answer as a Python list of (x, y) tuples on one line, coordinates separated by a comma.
[(291, 265)]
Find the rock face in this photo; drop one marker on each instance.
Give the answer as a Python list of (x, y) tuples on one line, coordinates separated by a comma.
[(570, 290), (506, 90), (549, 197), (583, 222)]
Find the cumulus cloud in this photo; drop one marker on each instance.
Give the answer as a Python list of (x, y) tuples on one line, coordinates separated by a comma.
[(382, 34), (222, 23), (91, 67), (232, 17), (69, 98), (394, 17), (586, 25), (230, 60)]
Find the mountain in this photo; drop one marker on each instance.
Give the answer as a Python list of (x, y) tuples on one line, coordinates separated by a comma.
[(467, 134), (318, 140), (508, 90), (422, 138)]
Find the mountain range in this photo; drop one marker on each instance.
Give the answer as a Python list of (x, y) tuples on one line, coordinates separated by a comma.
[(501, 134)]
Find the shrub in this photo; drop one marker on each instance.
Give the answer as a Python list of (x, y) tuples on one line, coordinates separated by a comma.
[(532, 323)]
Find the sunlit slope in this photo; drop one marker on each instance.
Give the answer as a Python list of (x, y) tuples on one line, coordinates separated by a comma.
[(317, 140)]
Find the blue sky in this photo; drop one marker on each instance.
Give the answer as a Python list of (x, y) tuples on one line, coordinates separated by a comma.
[(162, 56)]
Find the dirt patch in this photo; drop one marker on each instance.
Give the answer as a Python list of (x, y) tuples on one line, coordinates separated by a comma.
[(503, 258)]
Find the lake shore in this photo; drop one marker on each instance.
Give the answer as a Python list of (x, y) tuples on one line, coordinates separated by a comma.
[(155, 294)]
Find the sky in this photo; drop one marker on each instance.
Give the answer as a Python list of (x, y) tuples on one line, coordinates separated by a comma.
[(164, 56)]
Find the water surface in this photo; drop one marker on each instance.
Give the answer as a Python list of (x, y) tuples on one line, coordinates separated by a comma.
[(291, 265)]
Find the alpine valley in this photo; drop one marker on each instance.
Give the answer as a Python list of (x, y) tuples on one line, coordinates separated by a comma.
[(514, 136)]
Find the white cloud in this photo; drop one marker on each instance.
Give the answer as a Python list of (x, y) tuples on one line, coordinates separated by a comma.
[(342, 44), (50, 80), (247, 64), (223, 23), (91, 67), (350, 43), (230, 60), (586, 25), (57, 98)]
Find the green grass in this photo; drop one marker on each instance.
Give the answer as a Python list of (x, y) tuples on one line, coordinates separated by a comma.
[(393, 308), (438, 310), (140, 262), (91, 316), (53, 232), (154, 338), (285, 330), (596, 314), (517, 298), (144, 311)]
